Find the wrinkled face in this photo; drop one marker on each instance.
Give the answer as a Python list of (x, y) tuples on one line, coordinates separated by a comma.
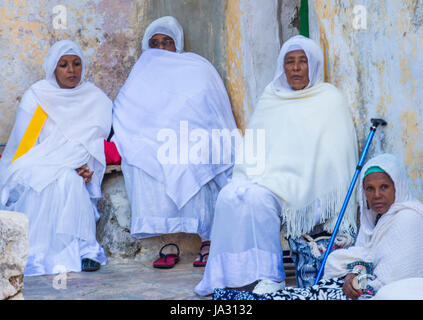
[(68, 71), (380, 191), (296, 69), (162, 41)]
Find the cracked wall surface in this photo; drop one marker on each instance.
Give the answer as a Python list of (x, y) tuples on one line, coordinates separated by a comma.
[(379, 69)]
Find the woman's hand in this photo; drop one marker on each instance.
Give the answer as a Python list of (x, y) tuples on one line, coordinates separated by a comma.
[(350, 286), (85, 173)]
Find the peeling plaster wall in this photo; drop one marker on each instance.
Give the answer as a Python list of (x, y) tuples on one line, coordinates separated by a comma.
[(255, 31), (379, 69), (108, 31)]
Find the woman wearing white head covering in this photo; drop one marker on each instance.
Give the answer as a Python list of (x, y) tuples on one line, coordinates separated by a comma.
[(387, 240), (167, 109), (386, 258), (56, 180), (310, 154), (168, 26)]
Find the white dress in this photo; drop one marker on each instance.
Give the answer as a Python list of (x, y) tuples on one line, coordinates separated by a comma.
[(61, 209), (154, 213)]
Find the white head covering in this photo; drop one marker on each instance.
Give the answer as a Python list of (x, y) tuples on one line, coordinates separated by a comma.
[(165, 25), (59, 49), (315, 61), (396, 171)]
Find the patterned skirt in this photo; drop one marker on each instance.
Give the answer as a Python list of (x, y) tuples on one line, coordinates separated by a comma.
[(328, 289)]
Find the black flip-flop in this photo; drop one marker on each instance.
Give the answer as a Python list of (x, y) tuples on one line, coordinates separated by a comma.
[(88, 265)]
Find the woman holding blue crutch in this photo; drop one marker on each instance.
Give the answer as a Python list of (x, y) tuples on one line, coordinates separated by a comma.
[(384, 262)]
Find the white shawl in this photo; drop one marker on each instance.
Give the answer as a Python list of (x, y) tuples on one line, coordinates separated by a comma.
[(82, 116), (311, 148), (393, 245), (166, 93)]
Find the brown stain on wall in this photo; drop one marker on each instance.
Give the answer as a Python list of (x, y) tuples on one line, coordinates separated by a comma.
[(235, 81)]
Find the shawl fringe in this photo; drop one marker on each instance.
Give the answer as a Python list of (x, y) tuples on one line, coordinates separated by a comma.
[(301, 221)]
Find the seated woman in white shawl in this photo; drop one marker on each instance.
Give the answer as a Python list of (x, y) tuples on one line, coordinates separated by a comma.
[(386, 258), (310, 155), (53, 165), (163, 120)]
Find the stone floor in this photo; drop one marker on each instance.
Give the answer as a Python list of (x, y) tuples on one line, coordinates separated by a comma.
[(123, 281)]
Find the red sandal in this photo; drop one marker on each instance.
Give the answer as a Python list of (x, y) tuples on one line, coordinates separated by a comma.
[(201, 263), (167, 261)]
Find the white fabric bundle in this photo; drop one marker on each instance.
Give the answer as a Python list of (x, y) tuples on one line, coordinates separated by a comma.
[(180, 95), (165, 25), (43, 183), (311, 147), (393, 244)]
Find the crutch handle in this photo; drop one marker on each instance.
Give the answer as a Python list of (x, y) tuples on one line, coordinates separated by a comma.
[(378, 122)]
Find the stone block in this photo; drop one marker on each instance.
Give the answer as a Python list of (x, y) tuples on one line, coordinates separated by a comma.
[(113, 228), (13, 253)]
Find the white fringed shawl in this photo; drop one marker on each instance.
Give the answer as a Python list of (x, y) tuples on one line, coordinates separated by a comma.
[(311, 154), (393, 245), (311, 146)]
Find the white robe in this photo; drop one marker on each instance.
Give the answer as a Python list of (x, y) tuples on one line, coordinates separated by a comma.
[(44, 185), (310, 156), (164, 92)]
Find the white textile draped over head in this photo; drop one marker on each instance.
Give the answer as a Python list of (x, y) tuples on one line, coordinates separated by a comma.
[(82, 115), (165, 25), (169, 102), (311, 151), (393, 244), (59, 49), (315, 62)]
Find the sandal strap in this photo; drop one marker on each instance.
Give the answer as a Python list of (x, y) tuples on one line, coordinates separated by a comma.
[(169, 255), (207, 244), (166, 245), (202, 256)]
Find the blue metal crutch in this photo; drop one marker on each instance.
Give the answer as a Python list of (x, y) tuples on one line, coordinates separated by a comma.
[(375, 124)]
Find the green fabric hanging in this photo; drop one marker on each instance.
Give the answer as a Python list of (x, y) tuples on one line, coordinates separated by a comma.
[(304, 28)]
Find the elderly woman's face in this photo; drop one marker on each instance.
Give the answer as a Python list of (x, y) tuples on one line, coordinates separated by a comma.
[(296, 69), (380, 191), (162, 41), (68, 71)]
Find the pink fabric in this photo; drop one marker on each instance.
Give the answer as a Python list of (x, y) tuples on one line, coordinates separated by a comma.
[(112, 154)]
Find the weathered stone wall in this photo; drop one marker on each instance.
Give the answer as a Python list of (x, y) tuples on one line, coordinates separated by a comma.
[(373, 54), (109, 33)]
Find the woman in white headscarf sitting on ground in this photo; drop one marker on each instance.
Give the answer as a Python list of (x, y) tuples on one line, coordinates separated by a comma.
[(311, 154), (386, 259), (53, 165), (163, 119)]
